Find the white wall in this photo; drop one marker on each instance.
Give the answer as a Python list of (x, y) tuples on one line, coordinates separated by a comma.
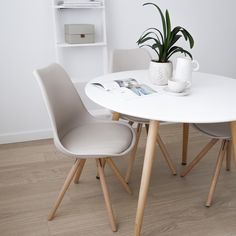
[(211, 22), (26, 43)]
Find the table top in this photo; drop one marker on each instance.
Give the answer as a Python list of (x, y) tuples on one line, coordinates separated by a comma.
[(212, 99)]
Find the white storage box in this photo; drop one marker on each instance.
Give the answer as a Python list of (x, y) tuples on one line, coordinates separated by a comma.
[(79, 33)]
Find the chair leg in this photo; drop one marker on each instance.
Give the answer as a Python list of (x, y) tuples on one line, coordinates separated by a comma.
[(115, 117), (185, 143), (106, 195), (131, 122), (199, 157), (79, 171), (64, 188), (216, 173), (147, 128), (164, 152), (166, 155), (133, 154), (228, 155), (118, 175), (103, 166)]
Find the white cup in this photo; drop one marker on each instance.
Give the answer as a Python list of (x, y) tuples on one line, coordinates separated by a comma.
[(184, 69), (178, 86)]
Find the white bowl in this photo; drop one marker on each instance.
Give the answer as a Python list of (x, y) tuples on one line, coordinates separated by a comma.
[(177, 86)]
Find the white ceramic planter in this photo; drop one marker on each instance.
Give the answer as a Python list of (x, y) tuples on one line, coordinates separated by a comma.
[(160, 73)]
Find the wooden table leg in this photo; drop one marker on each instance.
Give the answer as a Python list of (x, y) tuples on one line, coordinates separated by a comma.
[(185, 143), (233, 133), (147, 168)]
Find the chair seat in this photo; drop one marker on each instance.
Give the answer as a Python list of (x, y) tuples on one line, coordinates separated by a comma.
[(99, 140), (215, 130), (134, 119)]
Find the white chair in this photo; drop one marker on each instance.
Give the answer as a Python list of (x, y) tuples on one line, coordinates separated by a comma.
[(79, 135), (130, 59), (216, 131), (137, 59)]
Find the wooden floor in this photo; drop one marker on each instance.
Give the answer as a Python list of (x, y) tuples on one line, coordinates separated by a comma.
[(32, 173)]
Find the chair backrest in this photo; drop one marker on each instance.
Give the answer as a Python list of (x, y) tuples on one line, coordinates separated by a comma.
[(130, 59), (215, 130), (62, 100)]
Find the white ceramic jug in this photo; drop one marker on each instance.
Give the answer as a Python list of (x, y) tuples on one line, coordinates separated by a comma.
[(184, 69)]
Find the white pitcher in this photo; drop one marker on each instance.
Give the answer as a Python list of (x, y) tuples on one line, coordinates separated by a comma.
[(184, 69)]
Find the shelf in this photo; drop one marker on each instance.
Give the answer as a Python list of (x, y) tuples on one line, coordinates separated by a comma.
[(67, 45), (79, 7), (78, 58)]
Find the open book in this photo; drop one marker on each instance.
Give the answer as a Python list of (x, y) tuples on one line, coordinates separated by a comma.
[(130, 84)]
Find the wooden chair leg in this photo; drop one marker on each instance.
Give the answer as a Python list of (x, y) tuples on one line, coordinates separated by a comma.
[(79, 171), (216, 173), (133, 154), (228, 155), (118, 175), (106, 195), (103, 166), (185, 143), (164, 152), (199, 157), (115, 116), (233, 140), (64, 188), (147, 128), (131, 122), (166, 155)]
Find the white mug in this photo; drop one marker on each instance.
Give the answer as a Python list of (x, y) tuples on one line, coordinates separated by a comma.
[(184, 69)]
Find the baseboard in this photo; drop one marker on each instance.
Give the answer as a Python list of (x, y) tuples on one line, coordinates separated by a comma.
[(25, 136), (44, 133)]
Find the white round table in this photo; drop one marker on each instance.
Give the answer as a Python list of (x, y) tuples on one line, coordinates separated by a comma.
[(211, 100)]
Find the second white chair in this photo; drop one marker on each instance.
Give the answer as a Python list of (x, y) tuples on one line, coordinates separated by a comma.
[(137, 59), (216, 131)]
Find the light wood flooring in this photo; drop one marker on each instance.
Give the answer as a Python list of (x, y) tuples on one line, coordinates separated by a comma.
[(32, 173)]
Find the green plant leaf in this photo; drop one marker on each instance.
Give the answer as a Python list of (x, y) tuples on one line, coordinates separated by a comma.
[(174, 40), (157, 45), (158, 31), (149, 38), (185, 33), (176, 49), (146, 45), (140, 40), (168, 25), (162, 17)]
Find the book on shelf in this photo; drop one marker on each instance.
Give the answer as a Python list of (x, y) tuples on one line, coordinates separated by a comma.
[(125, 86)]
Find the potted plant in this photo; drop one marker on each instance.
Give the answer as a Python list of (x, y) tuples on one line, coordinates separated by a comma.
[(164, 46)]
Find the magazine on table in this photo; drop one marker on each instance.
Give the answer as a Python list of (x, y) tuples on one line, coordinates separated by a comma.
[(129, 84)]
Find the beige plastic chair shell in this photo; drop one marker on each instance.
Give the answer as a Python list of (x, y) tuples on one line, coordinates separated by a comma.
[(78, 134), (130, 59), (215, 131), (75, 131)]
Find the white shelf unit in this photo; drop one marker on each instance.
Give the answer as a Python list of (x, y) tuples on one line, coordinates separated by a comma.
[(82, 61)]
